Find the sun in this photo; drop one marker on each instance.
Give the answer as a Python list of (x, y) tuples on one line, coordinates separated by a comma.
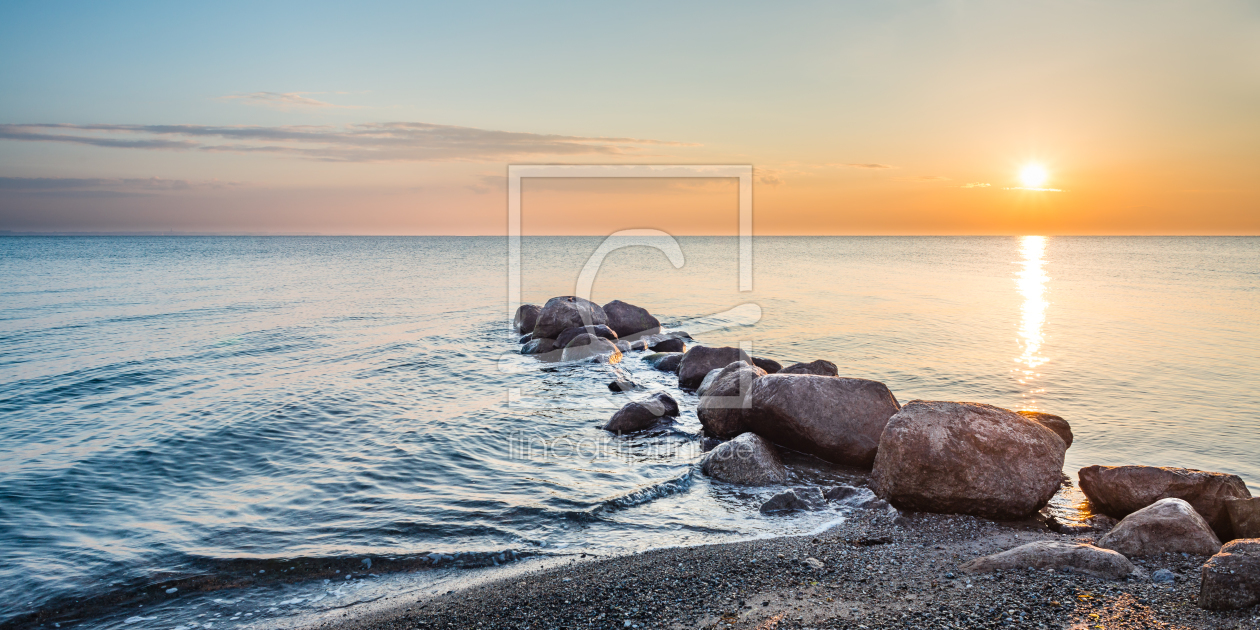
[(1033, 176)]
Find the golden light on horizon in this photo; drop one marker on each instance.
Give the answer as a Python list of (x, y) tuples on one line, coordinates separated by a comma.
[(1034, 176)]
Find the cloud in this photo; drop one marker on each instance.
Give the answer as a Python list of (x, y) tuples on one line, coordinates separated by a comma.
[(859, 165), (103, 187), (369, 142), (975, 185), (769, 176), (282, 100)]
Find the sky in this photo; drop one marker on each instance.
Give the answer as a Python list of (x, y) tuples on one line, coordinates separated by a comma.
[(857, 117)]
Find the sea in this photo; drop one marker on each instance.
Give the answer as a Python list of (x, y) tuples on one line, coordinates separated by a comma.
[(278, 428)]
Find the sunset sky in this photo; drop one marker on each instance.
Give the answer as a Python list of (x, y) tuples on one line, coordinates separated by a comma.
[(858, 118)]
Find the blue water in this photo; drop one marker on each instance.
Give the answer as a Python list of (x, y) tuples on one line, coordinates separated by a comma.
[(169, 405)]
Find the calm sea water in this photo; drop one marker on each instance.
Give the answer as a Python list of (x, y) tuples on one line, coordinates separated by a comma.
[(169, 406)]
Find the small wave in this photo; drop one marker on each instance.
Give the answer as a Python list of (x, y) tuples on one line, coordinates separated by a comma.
[(678, 484)]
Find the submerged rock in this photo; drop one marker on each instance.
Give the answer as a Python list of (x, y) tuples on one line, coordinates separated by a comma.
[(638, 345), (841, 493), (967, 458), (664, 361), (526, 318), (1166, 526), (524, 338), (724, 407), (818, 368), (1231, 578), (630, 320), (700, 360), (587, 347), (563, 313), (769, 365), (1079, 557), (642, 414), (837, 419), (539, 346), (1121, 490), (748, 460), (624, 385), (569, 334), (1055, 423), (1244, 517)]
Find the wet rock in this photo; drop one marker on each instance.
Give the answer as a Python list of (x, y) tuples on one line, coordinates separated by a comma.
[(669, 345), (967, 458), (524, 339), (1166, 526), (638, 345), (841, 493), (748, 460), (643, 413), (624, 385), (817, 368), (587, 347), (526, 318), (562, 313), (664, 361), (700, 360), (630, 320), (1055, 423), (569, 334), (724, 407), (837, 419), (1244, 517), (538, 346), (1078, 557), (1121, 490), (769, 365), (1231, 578), (709, 443), (790, 501), (708, 381)]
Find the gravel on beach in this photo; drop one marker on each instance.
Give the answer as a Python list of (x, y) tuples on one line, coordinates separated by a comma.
[(874, 570)]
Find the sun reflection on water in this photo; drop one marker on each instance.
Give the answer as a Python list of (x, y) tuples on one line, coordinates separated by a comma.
[(1031, 282)]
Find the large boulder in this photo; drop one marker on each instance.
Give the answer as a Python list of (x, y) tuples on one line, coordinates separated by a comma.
[(562, 313), (724, 407), (699, 360), (643, 413), (837, 419), (748, 460), (1118, 491), (1165, 526), (769, 365), (1050, 421), (587, 347), (1231, 578), (539, 346), (1244, 517), (819, 368), (967, 458), (526, 318), (664, 361), (630, 320), (570, 334), (1050, 554)]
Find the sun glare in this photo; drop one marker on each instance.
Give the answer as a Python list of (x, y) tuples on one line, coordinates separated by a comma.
[(1034, 176)]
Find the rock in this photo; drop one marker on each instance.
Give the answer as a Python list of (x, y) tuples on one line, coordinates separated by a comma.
[(563, 313), (1079, 557), (524, 338), (630, 320), (588, 347), (1166, 526), (526, 318), (641, 414), (624, 385), (669, 345), (539, 346), (708, 381), (769, 365), (701, 359), (818, 368), (664, 361), (789, 501), (815, 564), (1231, 578), (569, 334), (1121, 490), (724, 408), (966, 458), (709, 443), (837, 419), (841, 493), (638, 345), (1163, 576), (748, 460), (1050, 421), (1244, 517)]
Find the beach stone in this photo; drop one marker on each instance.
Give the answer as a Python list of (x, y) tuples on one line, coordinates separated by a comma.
[(1163, 576), (640, 414), (837, 419), (1055, 423), (1166, 526), (1231, 578), (723, 410), (790, 501), (630, 320), (624, 385), (669, 345), (967, 458), (569, 334), (623, 346), (1051, 554), (562, 313), (526, 318), (700, 360), (708, 381), (1121, 490), (841, 493), (539, 346), (638, 345), (664, 361), (1244, 517), (818, 368), (769, 365), (747, 460), (587, 347)]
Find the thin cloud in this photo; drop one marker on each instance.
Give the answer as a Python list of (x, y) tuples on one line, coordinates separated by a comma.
[(870, 165), (282, 100), (975, 185), (370, 142), (94, 186)]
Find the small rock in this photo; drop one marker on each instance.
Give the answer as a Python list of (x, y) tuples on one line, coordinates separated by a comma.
[(367, 563), (1163, 575), (815, 564), (664, 361), (569, 334), (669, 345), (641, 414), (818, 368), (747, 460), (588, 347), (539, 346), (526, 317), (1168, 525), (624, 385), (769, 365), (172, 591), (785, 502), (630, 320), (1231, 578), (1079, 557)]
